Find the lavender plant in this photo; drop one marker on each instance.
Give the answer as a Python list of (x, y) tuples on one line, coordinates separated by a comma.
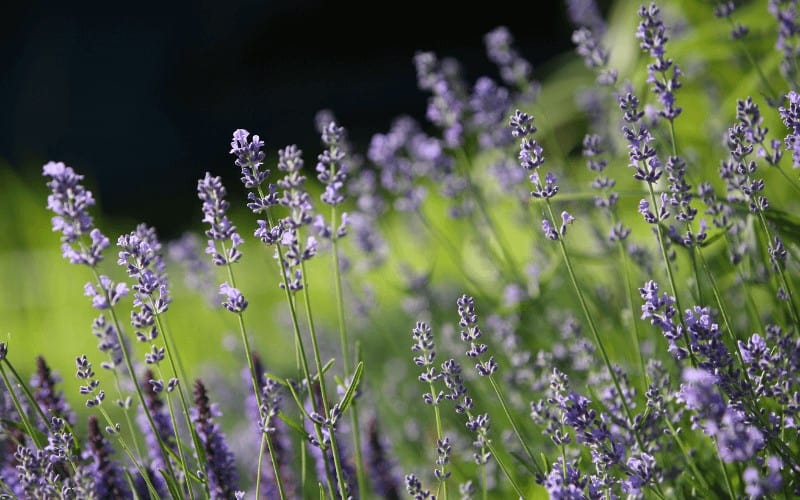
[(638, 334)]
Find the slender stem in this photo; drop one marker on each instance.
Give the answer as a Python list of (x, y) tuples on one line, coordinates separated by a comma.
[(623, 256), (687, 455), (127, 450), (356, 428), (439, 434), (27, 392), (318, 361), (484, 480), (593, 327), (299, 344), (22, 415), (129, 365), (275, 470), (505, 470), (184, 405), (670, 275), (181, 454), (512, 421), (728, 483), (781, 275), (745, 284)]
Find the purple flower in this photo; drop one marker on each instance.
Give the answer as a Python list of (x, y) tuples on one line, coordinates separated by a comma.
[(108, 341), (109, 478), (548, 190), (141, 255), (588, 47), (788, 28), (380, 463), (414, 488), (443, 449), (757, 486), (642, 471), (661, 312), (212, 193), (105, 293), (736, 439), (36, 476), (653, 36), (531, 155), (471, 332), (725, 9), (163, 425), (249, 158), (331, 170), (738, 171), (235, 301), (49, 399), (447, 104), (70, 203), (585, 13), (514, 69), (220, 469), (294, 195), (791, 118), (566, 219), (549, 231), (564, 482)]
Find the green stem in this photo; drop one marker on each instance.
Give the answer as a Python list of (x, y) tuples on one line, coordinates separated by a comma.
[(781, 275), (670, 275), (687, 455), (22, 415), (512, 421), (174, 421), (127, 450), (356, 428), (439, 434), (301, 348), (27, 392), (728, 483), (254, 378), (623, 255), (318, 362), (504, 468), (593, 327), (184, 405), (132, 373)]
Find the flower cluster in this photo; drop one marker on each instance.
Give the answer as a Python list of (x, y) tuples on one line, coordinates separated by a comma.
[(697, 394)]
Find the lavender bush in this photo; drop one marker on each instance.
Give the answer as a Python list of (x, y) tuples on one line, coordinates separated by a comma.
[(600, 300)]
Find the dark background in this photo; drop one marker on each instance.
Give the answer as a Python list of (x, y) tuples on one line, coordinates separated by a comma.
[(144, 99)]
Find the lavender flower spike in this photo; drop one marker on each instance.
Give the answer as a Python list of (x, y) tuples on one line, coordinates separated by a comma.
[(235, 302), (220, 468), (70, 201), (108, 476), (331, 170), (249, 157), (791, 118), (212, 193), (653, 36)]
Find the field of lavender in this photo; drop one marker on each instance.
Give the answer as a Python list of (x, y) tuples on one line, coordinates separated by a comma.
[(579, 286)]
